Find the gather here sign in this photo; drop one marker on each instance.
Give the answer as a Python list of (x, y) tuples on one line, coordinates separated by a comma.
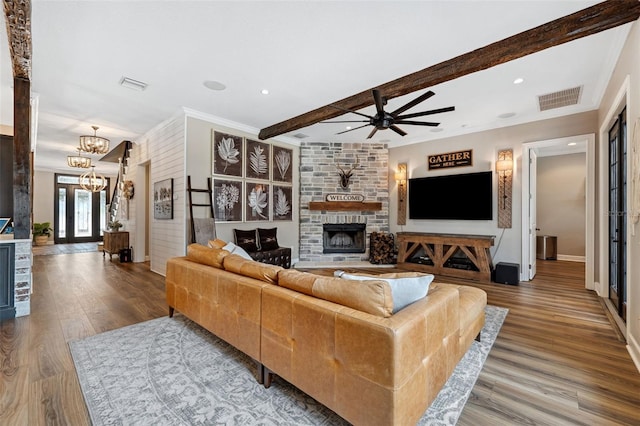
[(450, 159)]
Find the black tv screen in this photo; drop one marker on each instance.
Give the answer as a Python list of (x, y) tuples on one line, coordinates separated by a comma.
[(454, 197)]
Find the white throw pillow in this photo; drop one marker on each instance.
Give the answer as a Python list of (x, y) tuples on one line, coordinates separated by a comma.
[(234, 249), (404, 291)]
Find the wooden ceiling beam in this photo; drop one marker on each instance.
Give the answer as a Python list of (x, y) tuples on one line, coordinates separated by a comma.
[(18, 19), (586, 22)]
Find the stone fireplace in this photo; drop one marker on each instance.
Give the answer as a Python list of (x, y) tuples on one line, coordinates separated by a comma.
[(319, 177), (344, 237)]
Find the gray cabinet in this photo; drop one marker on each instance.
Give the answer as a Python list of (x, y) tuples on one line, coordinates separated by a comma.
[(7, 262)]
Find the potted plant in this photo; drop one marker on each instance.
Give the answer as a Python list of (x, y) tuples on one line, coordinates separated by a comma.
[(115, 225), (41, 233)]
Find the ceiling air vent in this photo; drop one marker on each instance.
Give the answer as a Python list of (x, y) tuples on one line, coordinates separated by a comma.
[(300, 136), (133, 84), (560, 99)]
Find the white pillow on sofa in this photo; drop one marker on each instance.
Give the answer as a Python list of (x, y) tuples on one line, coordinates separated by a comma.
[(234, 249), (404, 291)]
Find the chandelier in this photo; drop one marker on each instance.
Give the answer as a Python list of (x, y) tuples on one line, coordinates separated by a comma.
[(92, 182), (93, 143), (78, 161)]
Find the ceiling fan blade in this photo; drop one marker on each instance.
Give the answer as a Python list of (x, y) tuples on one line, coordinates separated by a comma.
[(351, 130), (377, 97), (373, 132), (348, 110), (417, 123), (345, 121), (423, 113), (413, 103), (398, 130)]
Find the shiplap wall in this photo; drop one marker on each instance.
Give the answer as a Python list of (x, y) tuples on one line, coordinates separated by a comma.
[(163, 149)]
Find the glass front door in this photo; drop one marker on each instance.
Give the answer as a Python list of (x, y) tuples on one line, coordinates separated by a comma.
[(80, 215)]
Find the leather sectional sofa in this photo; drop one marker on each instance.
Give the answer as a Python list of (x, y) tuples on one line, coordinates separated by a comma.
[(335, 339)]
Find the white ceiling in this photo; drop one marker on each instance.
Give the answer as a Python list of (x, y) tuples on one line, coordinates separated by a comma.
[(307, 53)]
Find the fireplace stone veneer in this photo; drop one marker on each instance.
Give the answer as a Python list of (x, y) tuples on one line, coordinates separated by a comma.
[(319, 177)]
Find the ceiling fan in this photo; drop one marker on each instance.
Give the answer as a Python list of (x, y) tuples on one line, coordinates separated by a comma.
[(388, 120)]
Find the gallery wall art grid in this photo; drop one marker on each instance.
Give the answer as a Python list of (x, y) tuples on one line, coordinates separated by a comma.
[(252, 180)]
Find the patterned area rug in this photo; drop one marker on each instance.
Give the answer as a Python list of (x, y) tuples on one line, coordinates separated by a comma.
[(170, 371)]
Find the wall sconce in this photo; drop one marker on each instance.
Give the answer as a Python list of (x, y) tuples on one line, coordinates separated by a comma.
[(504, 168), (401, 179)]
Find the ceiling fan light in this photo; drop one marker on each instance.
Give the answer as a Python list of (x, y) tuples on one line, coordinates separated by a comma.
[(94, 144)]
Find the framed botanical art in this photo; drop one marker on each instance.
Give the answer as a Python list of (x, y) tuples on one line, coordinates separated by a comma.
[(282, 203), (163, 199), (282, 164), (257, 201), (227, 200), (257, 160), (227, 154)]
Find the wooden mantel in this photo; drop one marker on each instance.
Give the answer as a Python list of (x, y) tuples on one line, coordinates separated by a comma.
[(343, 206)]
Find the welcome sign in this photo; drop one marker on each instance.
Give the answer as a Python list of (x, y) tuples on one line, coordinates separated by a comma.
[(450, 159), (358, 198)]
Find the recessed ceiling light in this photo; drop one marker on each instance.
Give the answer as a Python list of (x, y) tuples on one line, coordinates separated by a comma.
[(518, 80), (572, 144), (437, 129), (214, 85), (265, 91), (507, 115), (348, 127)]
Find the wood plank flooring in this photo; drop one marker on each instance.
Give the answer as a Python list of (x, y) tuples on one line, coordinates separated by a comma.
[(556, 361)]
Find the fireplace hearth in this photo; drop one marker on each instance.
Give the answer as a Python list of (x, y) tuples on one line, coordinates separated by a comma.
[(344, 237)]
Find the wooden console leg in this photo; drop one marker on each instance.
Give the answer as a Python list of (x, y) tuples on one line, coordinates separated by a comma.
[(478, 336), (171, 310)]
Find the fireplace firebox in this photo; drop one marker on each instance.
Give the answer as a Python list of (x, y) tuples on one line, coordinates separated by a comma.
[(344, 237)]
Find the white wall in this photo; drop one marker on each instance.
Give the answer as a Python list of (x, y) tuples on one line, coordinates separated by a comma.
[(199, 160), (43, 190), (163, 149), (485, 146), (627, 67), (561, 197)]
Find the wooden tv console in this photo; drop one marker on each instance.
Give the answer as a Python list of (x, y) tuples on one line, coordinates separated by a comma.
[(454, 255)]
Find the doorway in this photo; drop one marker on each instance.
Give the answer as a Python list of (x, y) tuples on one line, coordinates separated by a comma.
[(529, 229), (79, 215), (617, 214)]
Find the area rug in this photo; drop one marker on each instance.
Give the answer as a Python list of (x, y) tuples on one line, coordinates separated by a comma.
[(170, 371)]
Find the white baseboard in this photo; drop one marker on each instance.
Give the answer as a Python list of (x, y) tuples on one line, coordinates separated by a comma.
[(572, 258), (634, 350)]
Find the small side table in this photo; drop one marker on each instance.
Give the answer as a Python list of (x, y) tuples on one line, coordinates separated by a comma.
[(114, 241)]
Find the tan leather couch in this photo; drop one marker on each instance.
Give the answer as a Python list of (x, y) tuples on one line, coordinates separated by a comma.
[(370, 367)]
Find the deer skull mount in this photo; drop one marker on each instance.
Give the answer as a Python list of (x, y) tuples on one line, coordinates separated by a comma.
[(345, 176)]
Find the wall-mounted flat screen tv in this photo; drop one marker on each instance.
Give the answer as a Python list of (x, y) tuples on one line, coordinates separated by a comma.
[(453, 197)]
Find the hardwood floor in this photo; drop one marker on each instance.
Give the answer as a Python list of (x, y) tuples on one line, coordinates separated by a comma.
[(556, 361)]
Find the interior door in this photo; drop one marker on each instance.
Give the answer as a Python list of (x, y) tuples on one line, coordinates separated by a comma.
[(533, 230), (617, 215)]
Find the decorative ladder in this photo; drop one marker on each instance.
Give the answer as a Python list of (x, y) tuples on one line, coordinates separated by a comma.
[(209, 204)]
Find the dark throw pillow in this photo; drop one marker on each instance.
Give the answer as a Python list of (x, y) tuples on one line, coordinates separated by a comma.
[(268, 239), (246, 239)]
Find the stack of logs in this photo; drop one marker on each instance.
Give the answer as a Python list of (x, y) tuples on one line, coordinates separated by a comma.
[(382, 248)]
